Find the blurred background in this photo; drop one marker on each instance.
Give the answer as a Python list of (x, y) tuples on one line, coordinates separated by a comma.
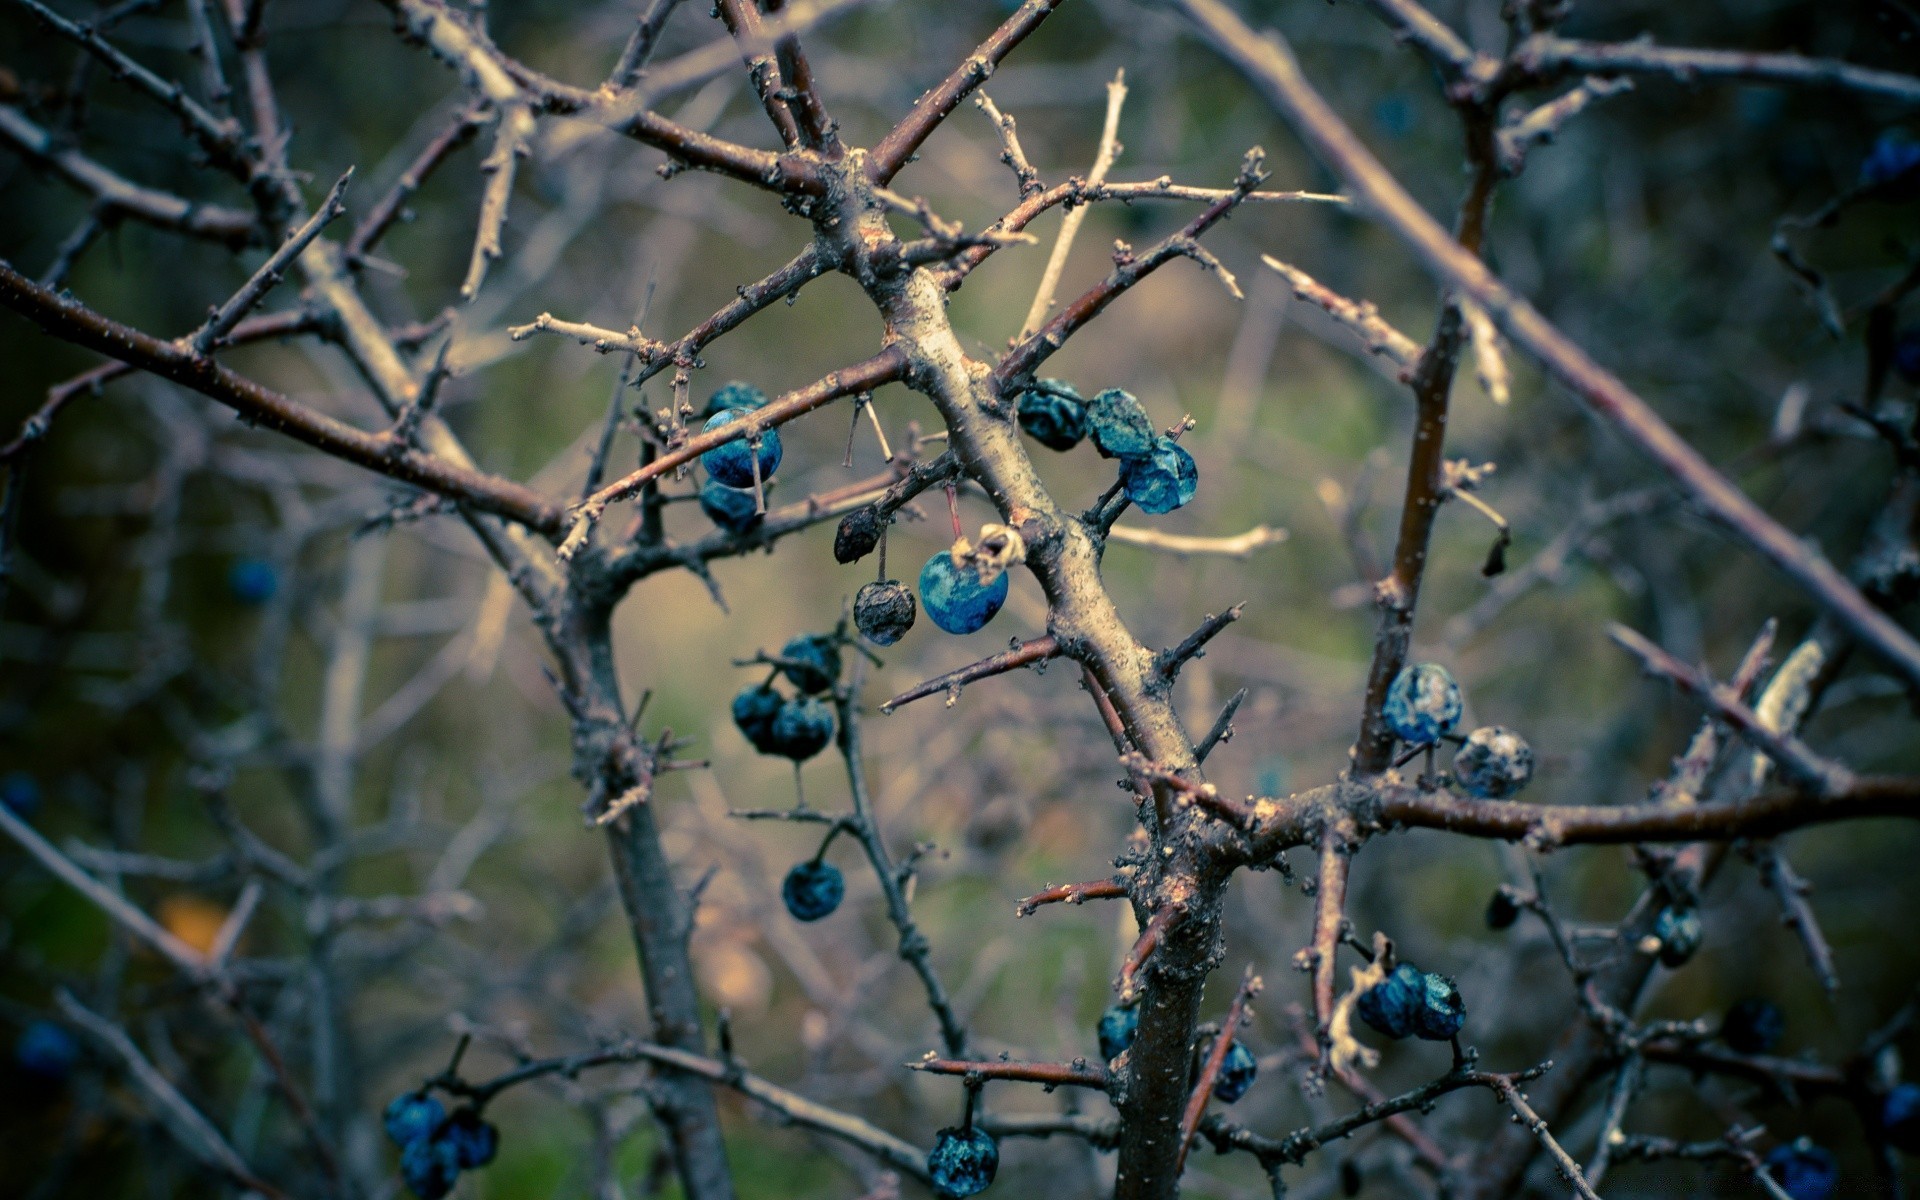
[(194, 636)]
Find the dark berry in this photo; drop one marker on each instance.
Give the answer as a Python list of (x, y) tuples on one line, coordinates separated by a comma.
[(46, 1050), (1679, 933), (733, 395), (884, 610), (955, 598), (1053, 414), (474, 1140), (858, 534), (1494, 763), (412, 1116), (1442, 1012), (812, 662), (813, 889), (1422, 703), (1164, 480), (1392, 1006), (1893, 166), (1803, 1170), (754, 712), (1753, 1026), (1117, 1028), (253, 581), (1120, 426), (963, 1162), (1503, 910), (1236, 1075), (732, 509), (1350, 1180), (1900, 1118), (430, 1166), (803, 728), (20, 792), (732, 464), (1906, 354)]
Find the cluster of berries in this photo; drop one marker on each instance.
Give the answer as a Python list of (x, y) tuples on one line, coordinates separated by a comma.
[(1412, 1002), (798, 726), (1119, 1024), (436, 1146), (1156, 472), (727, 496), (1423, 705)]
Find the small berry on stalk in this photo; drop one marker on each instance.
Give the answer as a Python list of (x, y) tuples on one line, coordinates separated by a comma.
[(813, 662), (1117, 1028), (474, 1140), (1679, 933), (1900, 1118), (1495, 763), (1162, 481), (411, 1116), (1753, 1026), (883, 611), (1392, 1006), (858, 534), (731, 509), (803, 728), (46, 1050), (430, 1166), (1503, 910), (813, 889), (963, 1162), (253, 581), (1803, 1170), (1237, 1072), (954, 597), (1053, 414), (733, 394), (1120, 426), (754, 712), (1423, 703), (732, 464)]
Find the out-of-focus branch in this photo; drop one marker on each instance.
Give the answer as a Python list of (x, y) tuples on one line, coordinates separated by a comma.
[(1549, 56)]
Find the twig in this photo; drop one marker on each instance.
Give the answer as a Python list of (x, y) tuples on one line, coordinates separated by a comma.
[(1022, 654), (1071, 893), (1070, 225), (1078, 1073), (1239, 545)]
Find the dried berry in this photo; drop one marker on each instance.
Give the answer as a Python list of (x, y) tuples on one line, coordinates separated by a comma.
[(1053, 414), (1120, 426), (1164, 480), (1494, 764), (883, 611), (1423, 703), (858, 534)]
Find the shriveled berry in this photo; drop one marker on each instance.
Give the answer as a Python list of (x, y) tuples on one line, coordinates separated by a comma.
[(812, 662), (1900, 1117), (858, 534), (46, 1050), (1164, 480), (253, 581), (733, 394), (883, 611), (1120, 426), (1442, 1012), (732, 464), (1893, 166), (1053, 414), (430, 1167), (1503, 910), (20, 793), (954, 597), (963, 1162), (732, 509), (1392, 1006), (1494, 764), (411, 1116), (802, 729), (1803, 1170), (813, 890), (1679, 934), (474, 1139), (1237, 1072), (1116, 1030), (1423, 703), (1753, 1026), (754, 712)]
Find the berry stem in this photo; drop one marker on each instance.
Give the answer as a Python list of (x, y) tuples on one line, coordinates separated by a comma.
[(759, 490), (953, 508)]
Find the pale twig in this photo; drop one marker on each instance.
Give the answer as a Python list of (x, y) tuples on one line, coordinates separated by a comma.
[(1239, 545), (1070, 224), (1360, 316)]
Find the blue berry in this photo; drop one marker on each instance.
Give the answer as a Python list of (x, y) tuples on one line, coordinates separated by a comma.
[(1753, 1026), (1894, 159), (1236, 1074), (430, 1166), (412, 1116), (1117, 1028), (1679, 933), (46, 1050), (754, 712), (253, 581), (1900, 1117), (955, 598), (732, 464), (1503, 910), (883, 610), (730, 508), (733, 395), (474, 1140), (1442, 1012), (963, 1162), (1392, 1006), (1803, 1170), (1422, 704), (803, 728), (1906, 354), (1494, 763), (1164, 480), (1120, 426), (20, 792), (814, 662), (813, 889), (1053, 414)]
